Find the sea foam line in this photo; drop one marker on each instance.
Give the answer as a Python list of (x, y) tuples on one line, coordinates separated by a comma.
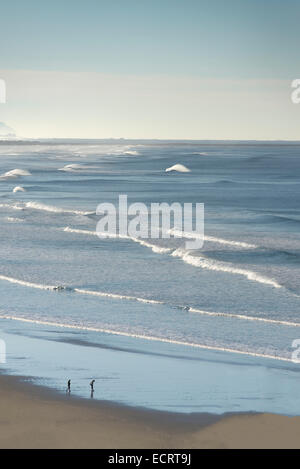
[(155, 248), (146, 337), (213, 239), (52, 208), (145, 300), (196, 261), (244, 317), (24, 283), (205, 263), (116, 296)]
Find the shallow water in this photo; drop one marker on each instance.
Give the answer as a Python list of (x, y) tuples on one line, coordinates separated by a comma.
[(240, 293)]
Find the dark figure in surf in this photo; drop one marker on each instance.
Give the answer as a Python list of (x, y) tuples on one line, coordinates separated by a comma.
[(69, 386), (92, 386)]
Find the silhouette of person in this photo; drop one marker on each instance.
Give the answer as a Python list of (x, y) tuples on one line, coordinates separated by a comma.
[(92, 385), (69, 386)]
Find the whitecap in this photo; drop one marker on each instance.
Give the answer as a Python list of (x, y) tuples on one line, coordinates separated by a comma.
[(19, 189), (14, 173), (180, 168)]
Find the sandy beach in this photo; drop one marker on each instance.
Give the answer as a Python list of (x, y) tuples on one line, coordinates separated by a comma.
[(33, 417)]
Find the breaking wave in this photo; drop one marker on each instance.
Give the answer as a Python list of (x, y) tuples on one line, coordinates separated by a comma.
[(187, 257), (14, 173), (180, 168), (186, 234), (155, 248), (52, 208), (205, 263), (19, 189)]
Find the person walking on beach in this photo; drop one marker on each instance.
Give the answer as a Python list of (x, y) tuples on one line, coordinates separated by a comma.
[(69, 386), (92, 385)]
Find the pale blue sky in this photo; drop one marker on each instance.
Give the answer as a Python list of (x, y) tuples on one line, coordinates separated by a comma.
[(234, 40)]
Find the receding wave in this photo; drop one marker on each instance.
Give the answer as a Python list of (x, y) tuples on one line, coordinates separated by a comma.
[(147, 337)]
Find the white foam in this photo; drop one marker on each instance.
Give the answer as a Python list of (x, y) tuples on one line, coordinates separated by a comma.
[(196, 261), (24, 283), (228, 242), (71, 167), (51, 208), (243, 317), (116, 296), (12, 206), (146, 337), (180, 168), (205, 263), (14, 220), (14, 173), (131, 152), (19, 189), (143, 300), (155, 248)]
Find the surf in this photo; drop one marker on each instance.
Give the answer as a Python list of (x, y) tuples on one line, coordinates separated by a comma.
[(147, 337)]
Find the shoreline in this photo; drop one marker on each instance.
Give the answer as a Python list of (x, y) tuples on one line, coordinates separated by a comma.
[(34, 416)]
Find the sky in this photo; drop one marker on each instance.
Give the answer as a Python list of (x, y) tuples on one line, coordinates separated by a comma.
[(186, 69)]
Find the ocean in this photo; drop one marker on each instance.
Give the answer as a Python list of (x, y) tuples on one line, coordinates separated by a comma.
[(157, 325)]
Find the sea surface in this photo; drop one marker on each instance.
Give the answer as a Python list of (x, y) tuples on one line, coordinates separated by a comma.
[(156, 324)]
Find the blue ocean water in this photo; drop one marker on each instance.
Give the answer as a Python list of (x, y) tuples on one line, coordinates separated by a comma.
[(239, 294)]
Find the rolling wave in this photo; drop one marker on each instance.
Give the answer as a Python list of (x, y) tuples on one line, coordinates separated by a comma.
[(52, 208), (118, 296), (71, 168), (12, 206), (14, 173), (154, 247), (27, 284), (19, 189), (205, 263), (196, 261), (179, 168), (186, 234)]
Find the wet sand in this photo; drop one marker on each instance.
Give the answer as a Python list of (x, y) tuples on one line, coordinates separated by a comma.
[(34, 417)]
